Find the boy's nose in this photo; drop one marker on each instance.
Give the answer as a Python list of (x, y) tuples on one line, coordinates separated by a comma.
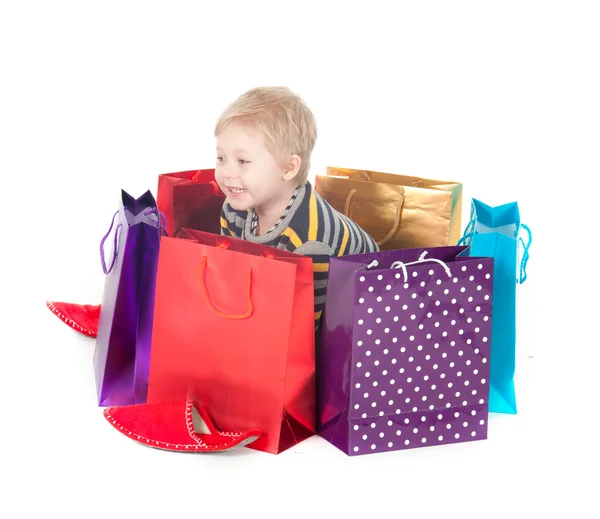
[(228, 173)]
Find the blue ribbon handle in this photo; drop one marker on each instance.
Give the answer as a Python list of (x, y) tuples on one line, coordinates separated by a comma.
[(469, 229), (468, 234), (525, 256)]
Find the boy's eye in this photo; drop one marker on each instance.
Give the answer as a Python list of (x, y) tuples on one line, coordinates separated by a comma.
[(219, 159), (242, 161)]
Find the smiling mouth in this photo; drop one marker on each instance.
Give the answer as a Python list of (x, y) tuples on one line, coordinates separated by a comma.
[(237, 190)]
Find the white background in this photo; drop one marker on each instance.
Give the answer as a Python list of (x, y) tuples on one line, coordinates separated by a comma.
[(99, 96)]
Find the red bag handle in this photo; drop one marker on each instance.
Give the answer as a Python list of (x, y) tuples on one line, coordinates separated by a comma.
[(250, 309), (214, 185)]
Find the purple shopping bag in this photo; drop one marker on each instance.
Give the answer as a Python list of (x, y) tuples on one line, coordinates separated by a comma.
[(403, 359), (122, 354)]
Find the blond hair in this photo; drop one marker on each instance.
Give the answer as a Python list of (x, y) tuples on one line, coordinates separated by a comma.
[(287, 123)]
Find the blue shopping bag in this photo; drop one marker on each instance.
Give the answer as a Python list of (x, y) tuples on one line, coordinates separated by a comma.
[(495, 232)]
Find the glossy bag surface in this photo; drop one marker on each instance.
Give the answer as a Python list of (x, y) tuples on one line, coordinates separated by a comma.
[(234, 330), (122, 352), (495, 232), (190, 199), (404, 354)]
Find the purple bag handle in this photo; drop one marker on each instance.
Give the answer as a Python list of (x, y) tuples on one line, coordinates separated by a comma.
[(114, 259), (162, 219)]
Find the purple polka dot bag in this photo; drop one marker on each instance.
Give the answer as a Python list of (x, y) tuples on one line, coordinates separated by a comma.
[(404, 350)]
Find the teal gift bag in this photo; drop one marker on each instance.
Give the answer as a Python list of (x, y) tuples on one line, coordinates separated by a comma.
[(495, 232)]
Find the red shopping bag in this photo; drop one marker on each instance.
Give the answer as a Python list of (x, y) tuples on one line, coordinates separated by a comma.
[(190, 199), (234, 330)]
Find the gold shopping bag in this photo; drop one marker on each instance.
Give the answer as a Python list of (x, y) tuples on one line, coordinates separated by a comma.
[(429, 214)]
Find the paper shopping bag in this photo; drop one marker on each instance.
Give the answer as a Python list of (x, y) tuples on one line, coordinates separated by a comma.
[(404, 354), (376, 207), (190, 199), (122, 353), (494, 232), (428, 215), (234, 330)]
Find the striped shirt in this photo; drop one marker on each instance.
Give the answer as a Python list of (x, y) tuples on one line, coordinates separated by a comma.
[(254, 224), (312, 228)]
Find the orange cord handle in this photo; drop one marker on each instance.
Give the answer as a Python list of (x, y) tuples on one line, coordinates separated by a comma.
[(214, 185), (246, 314)]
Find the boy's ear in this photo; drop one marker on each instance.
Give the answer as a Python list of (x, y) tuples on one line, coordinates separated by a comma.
[(292, 167)]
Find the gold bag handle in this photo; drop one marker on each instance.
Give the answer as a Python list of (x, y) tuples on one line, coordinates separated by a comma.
[(389, 235)]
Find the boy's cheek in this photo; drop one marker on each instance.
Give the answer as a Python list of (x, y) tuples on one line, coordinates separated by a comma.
[(220, 183)]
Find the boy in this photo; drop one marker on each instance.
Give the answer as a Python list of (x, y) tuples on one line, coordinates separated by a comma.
[(264, 142)]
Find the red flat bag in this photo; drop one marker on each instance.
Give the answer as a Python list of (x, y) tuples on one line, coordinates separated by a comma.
[(190, 199), (234, 330)]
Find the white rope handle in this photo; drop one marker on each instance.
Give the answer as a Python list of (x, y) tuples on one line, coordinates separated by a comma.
[(402, 265), (422, 259)]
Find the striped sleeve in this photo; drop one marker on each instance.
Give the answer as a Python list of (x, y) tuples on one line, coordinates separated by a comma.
[(339, 232), (225, 231), (231, 223), (320, 274), (320, 255), (328, 233), (360, 241)]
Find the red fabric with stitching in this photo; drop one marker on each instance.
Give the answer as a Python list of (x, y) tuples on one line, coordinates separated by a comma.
[(82, 318), (168, 425)]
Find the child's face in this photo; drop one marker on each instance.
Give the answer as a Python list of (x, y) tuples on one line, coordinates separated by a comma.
[(246, 171)]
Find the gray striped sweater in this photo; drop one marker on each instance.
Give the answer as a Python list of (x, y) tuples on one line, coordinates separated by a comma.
[(312, 228)]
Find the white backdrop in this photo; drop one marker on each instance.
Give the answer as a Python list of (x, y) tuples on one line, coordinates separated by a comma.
[(99, 96)]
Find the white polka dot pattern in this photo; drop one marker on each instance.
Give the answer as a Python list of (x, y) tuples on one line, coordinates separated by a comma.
[(420, 370)]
